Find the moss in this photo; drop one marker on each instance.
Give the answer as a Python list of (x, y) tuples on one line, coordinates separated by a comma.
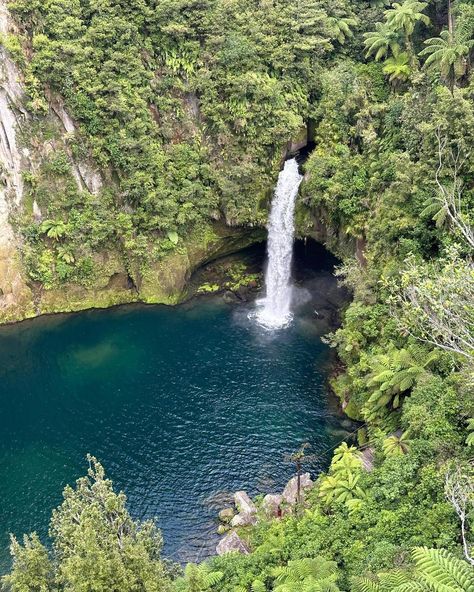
[(303, 221), (164, 282), (76, 298), (352, 410)]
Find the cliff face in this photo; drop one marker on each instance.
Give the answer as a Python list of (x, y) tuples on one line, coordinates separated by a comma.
[(29, 189), (136, 145), (15, 295)]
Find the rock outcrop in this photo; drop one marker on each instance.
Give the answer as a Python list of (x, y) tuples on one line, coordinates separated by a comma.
[(290, 493), (243, 519), (271, 503), (14, 292), (232, 543), (226, 515), (247, 510), (244, 504)]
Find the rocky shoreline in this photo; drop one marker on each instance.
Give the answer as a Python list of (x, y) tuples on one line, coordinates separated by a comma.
[(247, 513)]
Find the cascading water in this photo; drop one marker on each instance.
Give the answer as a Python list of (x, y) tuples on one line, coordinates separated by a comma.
[(275, 309)]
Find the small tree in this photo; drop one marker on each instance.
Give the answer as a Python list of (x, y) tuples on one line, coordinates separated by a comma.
[(448, 56), (95, 545), (436, 303), (379, 42), (299, 458), (404, 17), (459, 490)]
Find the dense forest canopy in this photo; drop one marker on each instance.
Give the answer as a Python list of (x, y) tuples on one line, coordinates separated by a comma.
[(188, 105)]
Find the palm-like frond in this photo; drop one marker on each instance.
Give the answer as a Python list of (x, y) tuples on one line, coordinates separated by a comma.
[(342, 27), (396, 445), (364, 584), (199, 578), (447, 55), (391, 580), (406, 15), (307, 575), (379, 42), (258, 586), (442, 572)]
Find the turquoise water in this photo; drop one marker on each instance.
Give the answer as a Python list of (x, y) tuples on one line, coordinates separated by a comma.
[(182, 405)]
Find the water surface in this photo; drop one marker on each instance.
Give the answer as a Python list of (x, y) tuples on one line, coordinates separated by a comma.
[(182, 405)]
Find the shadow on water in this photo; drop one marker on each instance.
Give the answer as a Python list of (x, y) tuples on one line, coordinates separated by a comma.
[(183, 406)]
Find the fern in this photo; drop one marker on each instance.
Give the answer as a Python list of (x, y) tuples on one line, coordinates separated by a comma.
[(307, 575), (470, 437), (365, 585), (442, 572)]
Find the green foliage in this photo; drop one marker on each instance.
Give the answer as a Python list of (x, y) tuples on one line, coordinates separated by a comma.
[(447, 55), (470, 437), (396, 445), (95, 545), (404, 17), (309, 575), (392, 375), (439, 570), (436, 570), (341, 484), (208, 288), (198, 578), (398, 67), (55, 229), (381, 41)]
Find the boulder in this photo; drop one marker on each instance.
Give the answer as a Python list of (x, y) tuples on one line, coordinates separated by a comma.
[(244, 519), (368, 456), (226, 515), (244, 504), (232, 543), (270, 504), (291, 490)]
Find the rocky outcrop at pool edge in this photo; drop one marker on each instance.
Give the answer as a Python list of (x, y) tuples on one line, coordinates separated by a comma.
[(273, 505), (232, 543)]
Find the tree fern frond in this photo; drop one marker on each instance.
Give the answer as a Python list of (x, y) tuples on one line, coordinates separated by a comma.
[(364, 584), (258, 586), (442, 571)]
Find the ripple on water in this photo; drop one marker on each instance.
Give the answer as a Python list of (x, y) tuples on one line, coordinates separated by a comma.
[(182, 405)]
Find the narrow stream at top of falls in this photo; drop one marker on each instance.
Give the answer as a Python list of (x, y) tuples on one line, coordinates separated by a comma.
[(274, 311)]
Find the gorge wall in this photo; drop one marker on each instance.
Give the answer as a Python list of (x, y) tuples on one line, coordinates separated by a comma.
[(115, 190), (29, 187)]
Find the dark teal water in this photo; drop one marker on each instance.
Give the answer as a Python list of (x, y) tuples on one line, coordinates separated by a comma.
[(182, 405)]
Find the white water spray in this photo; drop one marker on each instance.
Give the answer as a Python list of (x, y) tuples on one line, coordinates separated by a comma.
[(275, 309)]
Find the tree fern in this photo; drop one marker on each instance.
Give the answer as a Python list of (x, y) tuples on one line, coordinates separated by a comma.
[(258, 586), (396, 445), (391, 580), (198, 578), (307, 575), (442, 572), (364, 584)]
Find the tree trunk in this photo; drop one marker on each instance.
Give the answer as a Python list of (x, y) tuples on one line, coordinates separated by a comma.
[(450, 19)]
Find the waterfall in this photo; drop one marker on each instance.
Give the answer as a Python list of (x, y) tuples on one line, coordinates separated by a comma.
[(275, 309)]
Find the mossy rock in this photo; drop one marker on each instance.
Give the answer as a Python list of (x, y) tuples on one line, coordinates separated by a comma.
[(352, 410)]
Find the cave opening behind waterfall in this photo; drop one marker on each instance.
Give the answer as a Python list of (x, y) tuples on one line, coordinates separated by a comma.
[(316, 294)]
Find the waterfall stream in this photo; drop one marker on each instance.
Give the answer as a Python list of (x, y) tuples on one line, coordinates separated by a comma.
[(275, 309)]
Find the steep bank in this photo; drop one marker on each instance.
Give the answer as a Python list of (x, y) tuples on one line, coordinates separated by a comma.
[(15, 295), (121, 180)]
